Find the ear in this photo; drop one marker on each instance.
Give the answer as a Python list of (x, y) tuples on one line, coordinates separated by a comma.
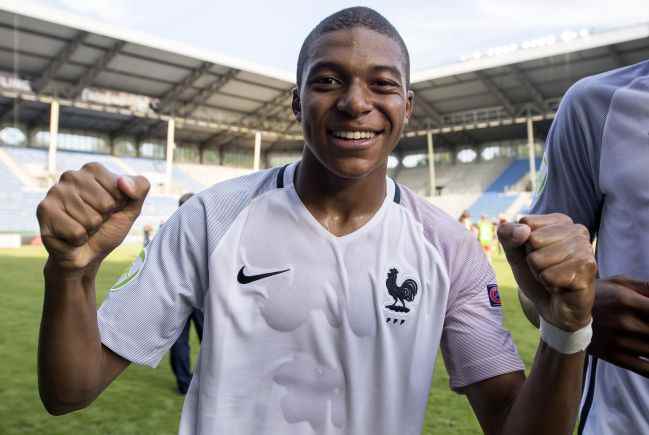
[(410, 105), (296, 105)]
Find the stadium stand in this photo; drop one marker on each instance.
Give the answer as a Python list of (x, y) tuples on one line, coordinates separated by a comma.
[(208, 105), (499, 197), (454, 179), (208, 175), (19, 199), (511, 175)]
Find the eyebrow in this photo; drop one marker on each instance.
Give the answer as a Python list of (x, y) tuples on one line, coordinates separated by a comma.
[(320, 65)]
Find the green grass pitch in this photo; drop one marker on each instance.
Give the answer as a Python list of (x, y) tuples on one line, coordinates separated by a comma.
[(143, 401)]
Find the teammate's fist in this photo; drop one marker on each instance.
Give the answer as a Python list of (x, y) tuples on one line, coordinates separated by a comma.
[(88, 213), (554, 264)]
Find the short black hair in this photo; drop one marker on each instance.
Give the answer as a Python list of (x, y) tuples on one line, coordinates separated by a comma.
[(349, 18)]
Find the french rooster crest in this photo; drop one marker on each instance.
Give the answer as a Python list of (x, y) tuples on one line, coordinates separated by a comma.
[(401, 293)]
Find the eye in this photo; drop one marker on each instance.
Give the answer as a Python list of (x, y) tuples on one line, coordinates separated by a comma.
[(325, 82), (385, 84)]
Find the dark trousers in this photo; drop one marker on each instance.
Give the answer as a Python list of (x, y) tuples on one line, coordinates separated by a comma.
[(180, 363)]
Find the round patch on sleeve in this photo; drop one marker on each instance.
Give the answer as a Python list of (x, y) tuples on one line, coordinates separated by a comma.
[(494, 295), (132, 272)]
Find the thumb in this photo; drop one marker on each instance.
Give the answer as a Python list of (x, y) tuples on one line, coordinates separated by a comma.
[(513, 237), (136, 189)]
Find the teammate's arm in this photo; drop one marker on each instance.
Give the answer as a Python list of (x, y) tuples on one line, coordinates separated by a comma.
[(553, 263), (82, 219)]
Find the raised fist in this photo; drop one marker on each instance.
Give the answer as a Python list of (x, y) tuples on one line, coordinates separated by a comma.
[(554, 265), (88, 213)]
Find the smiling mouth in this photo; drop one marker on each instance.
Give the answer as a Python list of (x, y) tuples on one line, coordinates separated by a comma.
[(354, 138)]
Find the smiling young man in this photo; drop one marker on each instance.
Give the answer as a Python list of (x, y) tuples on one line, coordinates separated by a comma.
[(326, 287)]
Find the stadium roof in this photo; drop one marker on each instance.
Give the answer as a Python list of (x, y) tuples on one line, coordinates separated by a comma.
[(60, 55), (490, 97), (125, 83)]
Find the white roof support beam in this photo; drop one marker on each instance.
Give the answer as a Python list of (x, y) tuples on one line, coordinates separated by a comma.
[(91, 74), (188, 108), (493, 89), (57, 62)]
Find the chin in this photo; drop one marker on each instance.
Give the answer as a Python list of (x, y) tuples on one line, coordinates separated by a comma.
[(353, 168)]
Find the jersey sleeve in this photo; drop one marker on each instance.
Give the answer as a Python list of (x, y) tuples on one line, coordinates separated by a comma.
[(475, 345), (147, 308), (568, 180)]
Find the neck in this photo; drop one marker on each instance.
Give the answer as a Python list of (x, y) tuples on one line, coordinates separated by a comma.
[(340, 204)]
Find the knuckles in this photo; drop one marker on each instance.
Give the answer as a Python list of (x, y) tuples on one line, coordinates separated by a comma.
[(78, 236), (93, 167), (540, 221)]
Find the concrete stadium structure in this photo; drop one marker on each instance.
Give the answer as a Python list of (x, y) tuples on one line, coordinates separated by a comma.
[(59, 74)]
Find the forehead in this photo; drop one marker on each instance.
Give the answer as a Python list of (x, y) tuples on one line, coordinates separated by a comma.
[(358, 46)]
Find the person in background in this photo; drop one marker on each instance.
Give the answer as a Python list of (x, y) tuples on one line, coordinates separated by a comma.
[(486, 235), (180, 351), (465, 219), (502, 219)]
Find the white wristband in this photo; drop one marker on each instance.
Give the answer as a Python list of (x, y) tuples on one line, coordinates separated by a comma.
[(566, 342)]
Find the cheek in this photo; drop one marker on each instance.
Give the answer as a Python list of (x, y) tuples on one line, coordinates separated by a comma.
[(394, 110)]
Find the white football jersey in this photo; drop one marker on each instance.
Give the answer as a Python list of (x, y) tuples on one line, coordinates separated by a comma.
[(306, 332)]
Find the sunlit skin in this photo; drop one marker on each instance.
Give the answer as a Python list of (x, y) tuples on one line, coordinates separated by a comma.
[(353, 80)]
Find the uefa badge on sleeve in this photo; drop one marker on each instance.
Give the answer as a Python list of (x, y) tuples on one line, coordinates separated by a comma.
[(132, 272), (494, 295)]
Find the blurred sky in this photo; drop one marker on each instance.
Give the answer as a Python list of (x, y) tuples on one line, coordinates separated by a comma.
[(270, 32)]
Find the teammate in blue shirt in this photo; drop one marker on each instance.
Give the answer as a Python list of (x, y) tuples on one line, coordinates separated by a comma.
[(595, 171)]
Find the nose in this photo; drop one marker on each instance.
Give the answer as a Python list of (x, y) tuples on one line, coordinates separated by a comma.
[(354, 102)]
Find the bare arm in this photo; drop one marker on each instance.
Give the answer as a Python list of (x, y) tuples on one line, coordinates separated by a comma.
[(73, 366), (545, 403), (554, 264), (82, 219)]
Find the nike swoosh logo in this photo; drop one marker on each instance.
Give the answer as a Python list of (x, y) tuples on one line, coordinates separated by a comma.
[(247, 279)]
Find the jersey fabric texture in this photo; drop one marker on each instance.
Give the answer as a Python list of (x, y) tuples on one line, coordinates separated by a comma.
[(597, 155), (306, 332)]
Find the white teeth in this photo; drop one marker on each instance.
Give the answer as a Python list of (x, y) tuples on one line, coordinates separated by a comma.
[(354, 134)]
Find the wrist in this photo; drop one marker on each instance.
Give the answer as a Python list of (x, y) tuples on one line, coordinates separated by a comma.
[(566, 342), (56, 273)]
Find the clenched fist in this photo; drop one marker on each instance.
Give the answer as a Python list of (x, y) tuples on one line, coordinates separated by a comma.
[(88, 213), (554, 265)]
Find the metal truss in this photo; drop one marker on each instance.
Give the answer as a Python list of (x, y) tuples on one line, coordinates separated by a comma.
[(438, 119), (169, 100), (535, 94), (493, 89), (91, 74), (57, 62), (616, 55), (272, 104), (189, 107)]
